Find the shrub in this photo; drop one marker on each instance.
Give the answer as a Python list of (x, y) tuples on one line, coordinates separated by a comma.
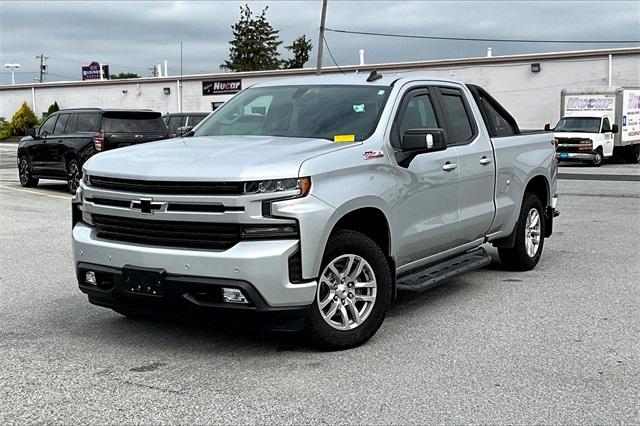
[(21, 121)]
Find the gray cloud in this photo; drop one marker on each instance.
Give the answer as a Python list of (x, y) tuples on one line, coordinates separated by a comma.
[(132, 36)]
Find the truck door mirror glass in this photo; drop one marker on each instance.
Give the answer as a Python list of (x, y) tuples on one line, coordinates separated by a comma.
[(423, 140), (547, 127), (614, 128)]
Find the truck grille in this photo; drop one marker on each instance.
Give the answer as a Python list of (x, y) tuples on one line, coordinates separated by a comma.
[(217, 236), (168, 187)]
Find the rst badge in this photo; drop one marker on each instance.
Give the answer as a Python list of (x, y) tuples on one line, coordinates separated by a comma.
[(370, 155)]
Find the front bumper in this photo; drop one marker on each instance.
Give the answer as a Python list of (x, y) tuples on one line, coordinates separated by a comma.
[(578, 156), (263, 265)]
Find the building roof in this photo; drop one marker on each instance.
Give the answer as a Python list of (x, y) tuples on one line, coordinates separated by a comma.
[(530, 57)]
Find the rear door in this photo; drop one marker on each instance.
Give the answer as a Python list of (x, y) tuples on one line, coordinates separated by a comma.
[(475, 164), (124, 128)]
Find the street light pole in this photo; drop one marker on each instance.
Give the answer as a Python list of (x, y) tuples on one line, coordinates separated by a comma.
[(321, 37), (13, 68)]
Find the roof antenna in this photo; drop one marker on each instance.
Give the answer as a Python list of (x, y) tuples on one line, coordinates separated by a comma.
[(374, 76)]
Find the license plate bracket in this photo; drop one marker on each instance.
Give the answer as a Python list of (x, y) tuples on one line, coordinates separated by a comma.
[(143, 281)]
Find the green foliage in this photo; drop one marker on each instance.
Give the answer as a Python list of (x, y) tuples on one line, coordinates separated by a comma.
[(124, 75), (300, 48), (255, 43), (53, 108), (3, 127), (21, 121)]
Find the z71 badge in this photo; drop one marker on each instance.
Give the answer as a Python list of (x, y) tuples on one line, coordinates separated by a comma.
[(370, 155)]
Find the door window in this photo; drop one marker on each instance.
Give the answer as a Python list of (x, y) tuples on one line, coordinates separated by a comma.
[(417, 114), (606, 126), (61, 124), (497, 122), (459, 125), (48, 126)]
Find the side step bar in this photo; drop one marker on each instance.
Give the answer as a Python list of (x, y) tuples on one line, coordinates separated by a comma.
[(433, 275)]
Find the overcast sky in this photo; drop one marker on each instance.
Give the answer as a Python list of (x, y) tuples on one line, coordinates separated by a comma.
[(132, 36)]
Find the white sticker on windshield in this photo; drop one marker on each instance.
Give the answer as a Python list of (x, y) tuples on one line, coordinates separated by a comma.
[(358, 107)]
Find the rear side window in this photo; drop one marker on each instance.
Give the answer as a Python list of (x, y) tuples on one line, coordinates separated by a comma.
[(61, 124), (174, 122), (498, 123), (606, 126), (195, 120), (47, 126), (134, 124), (459, 127), (88, 122)]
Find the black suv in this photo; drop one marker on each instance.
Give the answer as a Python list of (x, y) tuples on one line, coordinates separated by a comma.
[(69, 137), (180, 123)]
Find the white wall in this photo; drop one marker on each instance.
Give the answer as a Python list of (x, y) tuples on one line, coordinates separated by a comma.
[(533, 98)]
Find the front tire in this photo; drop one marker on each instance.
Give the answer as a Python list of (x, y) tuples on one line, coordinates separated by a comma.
[(354, 291), (529, 241), (599, 158), (74, 175), (25, 173)]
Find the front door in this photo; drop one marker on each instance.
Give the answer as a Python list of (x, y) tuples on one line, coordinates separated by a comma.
[(426, 214), (56, 148), (38, 152)]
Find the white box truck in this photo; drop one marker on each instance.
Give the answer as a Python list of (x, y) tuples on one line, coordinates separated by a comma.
[(598, 122)]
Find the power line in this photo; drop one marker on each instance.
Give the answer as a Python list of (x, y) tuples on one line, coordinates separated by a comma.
[(504, 40), (331, 54)]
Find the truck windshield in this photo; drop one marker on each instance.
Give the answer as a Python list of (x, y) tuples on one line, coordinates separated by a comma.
[(578, 124), (334, 112)]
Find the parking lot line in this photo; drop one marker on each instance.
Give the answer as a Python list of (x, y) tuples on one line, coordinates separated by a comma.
[(36, 192)]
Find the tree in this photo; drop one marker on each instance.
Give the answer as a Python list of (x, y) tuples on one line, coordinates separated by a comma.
[(300, 48), (255, 43), (124, 75), (21, 121), (53, 108)]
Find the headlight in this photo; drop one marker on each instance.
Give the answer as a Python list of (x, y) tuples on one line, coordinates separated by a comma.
[(302, 185)]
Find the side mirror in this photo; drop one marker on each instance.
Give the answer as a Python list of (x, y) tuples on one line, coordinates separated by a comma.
[(417, 141), (182, 131), (547, 127), (31, 131), (614, 128)]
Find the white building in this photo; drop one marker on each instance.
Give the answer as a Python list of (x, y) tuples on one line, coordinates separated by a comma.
[(527, 85)]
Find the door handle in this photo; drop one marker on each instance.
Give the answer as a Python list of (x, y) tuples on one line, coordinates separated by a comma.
[(447, 167), (485, 160)]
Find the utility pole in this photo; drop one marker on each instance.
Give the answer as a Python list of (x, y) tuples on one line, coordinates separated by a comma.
[(43, 67), (321, 37)]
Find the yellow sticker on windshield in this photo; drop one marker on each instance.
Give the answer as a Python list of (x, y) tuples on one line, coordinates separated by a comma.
[(344, 138)]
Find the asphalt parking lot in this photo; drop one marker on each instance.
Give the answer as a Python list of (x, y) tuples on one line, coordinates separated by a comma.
[(559, 344)]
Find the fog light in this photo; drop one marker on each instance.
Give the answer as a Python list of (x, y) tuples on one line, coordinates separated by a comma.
[(233, 295), (90, 278)]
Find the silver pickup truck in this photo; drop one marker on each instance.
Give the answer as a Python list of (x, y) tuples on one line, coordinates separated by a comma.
[(310, 202)]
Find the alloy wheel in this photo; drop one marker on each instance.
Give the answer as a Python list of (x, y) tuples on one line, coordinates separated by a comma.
[(532, 229), (346, 292)]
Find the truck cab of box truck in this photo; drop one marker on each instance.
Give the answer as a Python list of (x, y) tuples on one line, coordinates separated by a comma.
[(585, 138)]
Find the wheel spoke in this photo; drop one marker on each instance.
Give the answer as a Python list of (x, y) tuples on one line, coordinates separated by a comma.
[(358, 271), (366, 284), (326, 301), (364, 298), (332, 311), (334, 271), (354, 311), (343, 315), (349, 266)]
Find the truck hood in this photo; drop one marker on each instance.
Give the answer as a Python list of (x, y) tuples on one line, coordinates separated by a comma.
[(211, 158)]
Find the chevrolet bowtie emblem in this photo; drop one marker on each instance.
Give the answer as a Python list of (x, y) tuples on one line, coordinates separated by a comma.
[(146, 205)]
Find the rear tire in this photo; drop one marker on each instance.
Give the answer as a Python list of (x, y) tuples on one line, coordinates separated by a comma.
[(633, 154), (25, 173), (354, 291), (529, 241), (74, 175)]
